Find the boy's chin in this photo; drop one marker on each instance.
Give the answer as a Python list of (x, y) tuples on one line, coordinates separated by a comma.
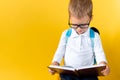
[(79, 31)]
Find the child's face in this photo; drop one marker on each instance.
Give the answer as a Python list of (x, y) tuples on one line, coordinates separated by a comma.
[(80, 25)]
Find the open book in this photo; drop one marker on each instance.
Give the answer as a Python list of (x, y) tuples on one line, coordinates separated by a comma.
[(94, 70)]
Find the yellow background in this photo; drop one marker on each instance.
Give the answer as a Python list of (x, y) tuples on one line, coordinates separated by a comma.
[(30, 31)]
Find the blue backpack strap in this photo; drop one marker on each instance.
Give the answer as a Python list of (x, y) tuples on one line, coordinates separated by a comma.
[(68, 34), (92, 36)]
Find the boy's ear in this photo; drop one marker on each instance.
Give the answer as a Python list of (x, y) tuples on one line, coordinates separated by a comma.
[(91, 17)]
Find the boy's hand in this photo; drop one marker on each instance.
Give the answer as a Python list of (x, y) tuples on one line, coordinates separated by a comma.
[(55, 64), (106, 71)]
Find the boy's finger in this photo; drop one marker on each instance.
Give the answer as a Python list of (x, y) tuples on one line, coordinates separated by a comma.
[(51, 71)]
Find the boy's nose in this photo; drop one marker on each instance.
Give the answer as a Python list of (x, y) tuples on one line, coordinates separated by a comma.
[(78, 28)]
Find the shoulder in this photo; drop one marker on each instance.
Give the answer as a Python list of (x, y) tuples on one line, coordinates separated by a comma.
[(97, 36), (96, 31), (64, 33)]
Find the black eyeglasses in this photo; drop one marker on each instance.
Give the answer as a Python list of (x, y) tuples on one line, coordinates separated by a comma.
[(82, 26), (75, 26)]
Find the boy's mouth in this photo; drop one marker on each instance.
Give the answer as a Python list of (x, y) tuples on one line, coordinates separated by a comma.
[(80, 32)]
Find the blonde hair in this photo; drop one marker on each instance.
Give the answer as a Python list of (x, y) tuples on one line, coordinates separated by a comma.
[(80, 8)]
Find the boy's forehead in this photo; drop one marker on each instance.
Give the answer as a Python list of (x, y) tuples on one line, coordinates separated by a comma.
[(84, 19)]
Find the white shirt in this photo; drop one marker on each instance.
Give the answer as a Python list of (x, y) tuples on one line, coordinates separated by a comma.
[(78, 51)]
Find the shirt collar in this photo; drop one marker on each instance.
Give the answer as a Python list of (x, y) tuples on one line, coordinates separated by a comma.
[(74, 34)]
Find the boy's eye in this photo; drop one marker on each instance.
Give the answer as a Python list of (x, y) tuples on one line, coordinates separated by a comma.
[(82, 25), (74, 25)]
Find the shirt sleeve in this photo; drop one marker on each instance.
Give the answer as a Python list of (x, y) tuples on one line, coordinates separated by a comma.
[(59, 54), (99, 52)]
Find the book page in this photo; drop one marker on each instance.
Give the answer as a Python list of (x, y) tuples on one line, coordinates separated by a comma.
[(91, 66), (61, 67), (94, 70)]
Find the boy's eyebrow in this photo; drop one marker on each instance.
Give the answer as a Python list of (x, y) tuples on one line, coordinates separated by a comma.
[(79, 24)]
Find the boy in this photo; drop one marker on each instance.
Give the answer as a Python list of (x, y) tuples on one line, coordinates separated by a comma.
[(77, 51)]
